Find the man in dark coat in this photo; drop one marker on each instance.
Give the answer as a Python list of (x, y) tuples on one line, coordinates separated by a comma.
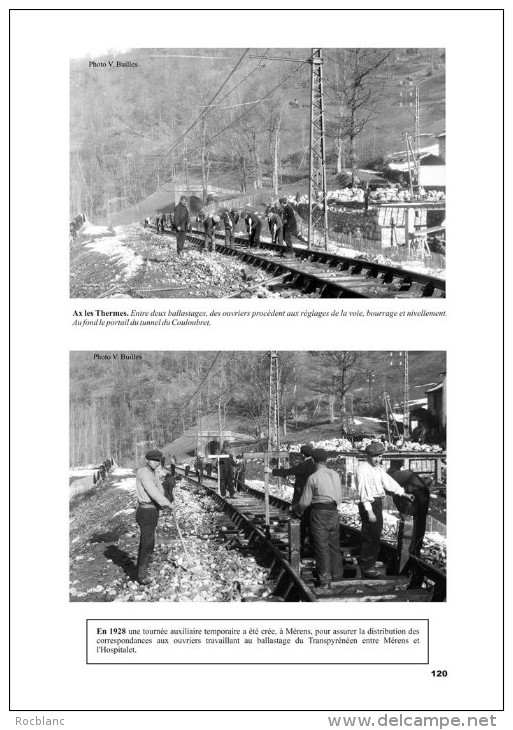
[(226, 467), (253, 227), (413, 484), (199, 466), (229, 219), (276, 227), (240, 474), (301, 472), (289, 223), (181, 223)]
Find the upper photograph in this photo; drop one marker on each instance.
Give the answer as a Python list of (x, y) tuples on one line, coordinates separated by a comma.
[(227, 173)]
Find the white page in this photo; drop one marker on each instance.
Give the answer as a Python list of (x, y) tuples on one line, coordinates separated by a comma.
[(49, 675)]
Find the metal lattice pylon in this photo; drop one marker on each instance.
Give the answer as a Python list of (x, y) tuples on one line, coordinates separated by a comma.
[(406, 397), (273, 422), (318, 209)]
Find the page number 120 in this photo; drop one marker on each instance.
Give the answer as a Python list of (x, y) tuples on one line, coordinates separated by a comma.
[(439, 673)]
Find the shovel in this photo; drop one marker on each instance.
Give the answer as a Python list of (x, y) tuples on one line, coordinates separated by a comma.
[(189, 561)]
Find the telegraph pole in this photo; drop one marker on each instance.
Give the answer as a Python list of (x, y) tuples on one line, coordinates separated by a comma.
[(406, 397), (318, 209), (273, 420)]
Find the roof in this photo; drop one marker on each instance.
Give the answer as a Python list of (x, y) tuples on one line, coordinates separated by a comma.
[(432, 160), (442, 134), (439, 386)]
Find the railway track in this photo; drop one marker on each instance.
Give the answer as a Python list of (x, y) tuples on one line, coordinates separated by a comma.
[(328, 275), (277, 544)]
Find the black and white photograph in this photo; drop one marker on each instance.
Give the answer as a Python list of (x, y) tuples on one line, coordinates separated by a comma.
[(258, 476), (258, 173)]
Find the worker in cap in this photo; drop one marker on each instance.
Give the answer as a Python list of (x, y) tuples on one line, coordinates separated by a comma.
[(229, 219), (322, 494), (253, 227), (372, 484), (300, 472), (375, 448), (289, 223), (181, 223), (151, 499), (210, 225)]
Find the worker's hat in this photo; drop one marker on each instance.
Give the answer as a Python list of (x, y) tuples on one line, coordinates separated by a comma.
[(307, 449), (375, 448), (154, 455), (319, 455)]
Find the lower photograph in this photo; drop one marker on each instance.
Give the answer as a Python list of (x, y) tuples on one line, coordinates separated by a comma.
[(258, 476)]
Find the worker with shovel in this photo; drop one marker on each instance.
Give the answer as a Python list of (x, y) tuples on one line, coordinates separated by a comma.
[(151, 499)]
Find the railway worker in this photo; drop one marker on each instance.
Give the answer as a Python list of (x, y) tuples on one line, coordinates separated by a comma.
[(372, 482), (181, 223), (151, 499), (146, 222), (415, 485), (172, 463), (229, 228), (210, 225), (226, 468), (200, 218), (199, 466), (323, 494), (208, 467), (240, 474), (253, 227), (289, 223), (168, 483), (276, 227), (301, 472)]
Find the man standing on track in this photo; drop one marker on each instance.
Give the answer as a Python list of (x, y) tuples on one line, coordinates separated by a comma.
[(181, 223), (210, 225), (199, 466), (226, 467), (229, 220), (253, 227), (276, 227), (323, 494), (151, 499), (301, 472), (372, 482), (289, 223)]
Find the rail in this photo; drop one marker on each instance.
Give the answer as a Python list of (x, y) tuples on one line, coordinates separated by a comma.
[(329, 275), (280, 536)]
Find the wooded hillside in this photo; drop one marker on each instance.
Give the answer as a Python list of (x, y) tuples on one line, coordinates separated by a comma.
[(153, 397), (234, 120)]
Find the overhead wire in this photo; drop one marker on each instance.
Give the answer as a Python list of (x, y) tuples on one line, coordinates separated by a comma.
[(259, 101), (207, 110), (210, 106)]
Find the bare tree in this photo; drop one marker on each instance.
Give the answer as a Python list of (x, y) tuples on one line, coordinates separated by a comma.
[(333, 375), (361, 91)]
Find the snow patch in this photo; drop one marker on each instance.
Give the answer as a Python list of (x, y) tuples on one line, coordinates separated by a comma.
[(127, 484), (115, 249)]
